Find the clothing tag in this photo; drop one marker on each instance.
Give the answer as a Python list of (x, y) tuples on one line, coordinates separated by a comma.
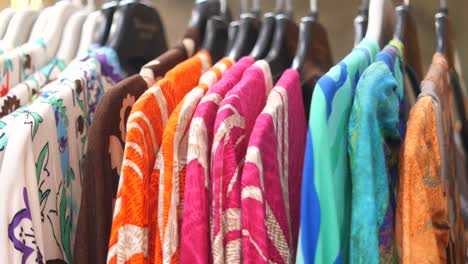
[(146, 31)]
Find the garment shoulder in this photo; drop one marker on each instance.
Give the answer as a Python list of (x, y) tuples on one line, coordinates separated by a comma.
[(422, 115)]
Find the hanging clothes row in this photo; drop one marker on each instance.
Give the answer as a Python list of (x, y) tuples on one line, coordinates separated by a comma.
[(243, 142)]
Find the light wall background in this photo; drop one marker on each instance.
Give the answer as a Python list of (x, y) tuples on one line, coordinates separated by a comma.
[(337, 17)]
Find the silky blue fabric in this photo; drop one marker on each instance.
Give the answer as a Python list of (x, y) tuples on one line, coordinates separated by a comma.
[(326, 189), (375, 133)]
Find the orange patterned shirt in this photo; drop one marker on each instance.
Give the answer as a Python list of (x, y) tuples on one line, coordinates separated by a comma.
[(134, 235), (169, 173), (429, 227)]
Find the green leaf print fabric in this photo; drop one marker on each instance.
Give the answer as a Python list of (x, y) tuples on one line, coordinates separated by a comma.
[(18, 64), (23, 92)]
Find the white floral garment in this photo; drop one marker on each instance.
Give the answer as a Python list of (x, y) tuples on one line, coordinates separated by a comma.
[(18, 64), (24, 92), (42, 148)]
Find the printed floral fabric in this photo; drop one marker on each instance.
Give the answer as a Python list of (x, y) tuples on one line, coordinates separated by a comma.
[(197, 190), (51, 137), (234, 123), (374, 138), (23, 93), (326, 182), (271, 179), (171, 169), (135, 237), (429, 226), (18, 64)]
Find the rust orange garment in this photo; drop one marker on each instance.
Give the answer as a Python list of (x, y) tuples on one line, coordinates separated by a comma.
[(429, 228), (134, 233), (171, 171)]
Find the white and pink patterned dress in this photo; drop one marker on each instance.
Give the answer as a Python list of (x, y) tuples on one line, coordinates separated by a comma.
[(234, 123), (195, 241), (272, 174)]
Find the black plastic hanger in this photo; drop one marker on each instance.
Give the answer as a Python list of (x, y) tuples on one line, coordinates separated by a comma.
[(105, 22), (233, 30), (249, 27), (405, 32), (137, 35), (201, 12), (445, 46), (281, 54), (313, 47), (360, 22), (400, 27), (265, 38), (441, 31), (216, 35), (284, 46), (313, 56)]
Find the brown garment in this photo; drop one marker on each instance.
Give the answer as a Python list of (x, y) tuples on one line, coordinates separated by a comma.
[(413, 68), (104, 155), (102, 168), (319, 61), (429, 226)]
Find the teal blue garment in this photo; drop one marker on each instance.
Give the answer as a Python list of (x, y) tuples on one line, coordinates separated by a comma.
[(326, 185), (374, 140)]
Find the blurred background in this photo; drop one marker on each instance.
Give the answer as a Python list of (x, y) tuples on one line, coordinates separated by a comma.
[(336, 15)]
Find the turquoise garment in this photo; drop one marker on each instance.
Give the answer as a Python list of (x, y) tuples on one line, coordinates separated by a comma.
[(374, 140), (326, 193)]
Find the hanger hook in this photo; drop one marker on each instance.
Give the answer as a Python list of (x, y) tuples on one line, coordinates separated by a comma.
[(255, 6), (244, 8), (285, 6), (279, 6), (443, 5), (364, 4), (289, 7), (313, 6), (222, 7)]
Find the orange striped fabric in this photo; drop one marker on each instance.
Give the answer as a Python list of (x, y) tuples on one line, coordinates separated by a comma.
[(172, 161), (132, 238)]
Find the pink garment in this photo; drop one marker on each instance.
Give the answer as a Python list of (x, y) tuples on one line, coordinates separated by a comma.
[(195, 241), (234, 122), (272, 174)]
